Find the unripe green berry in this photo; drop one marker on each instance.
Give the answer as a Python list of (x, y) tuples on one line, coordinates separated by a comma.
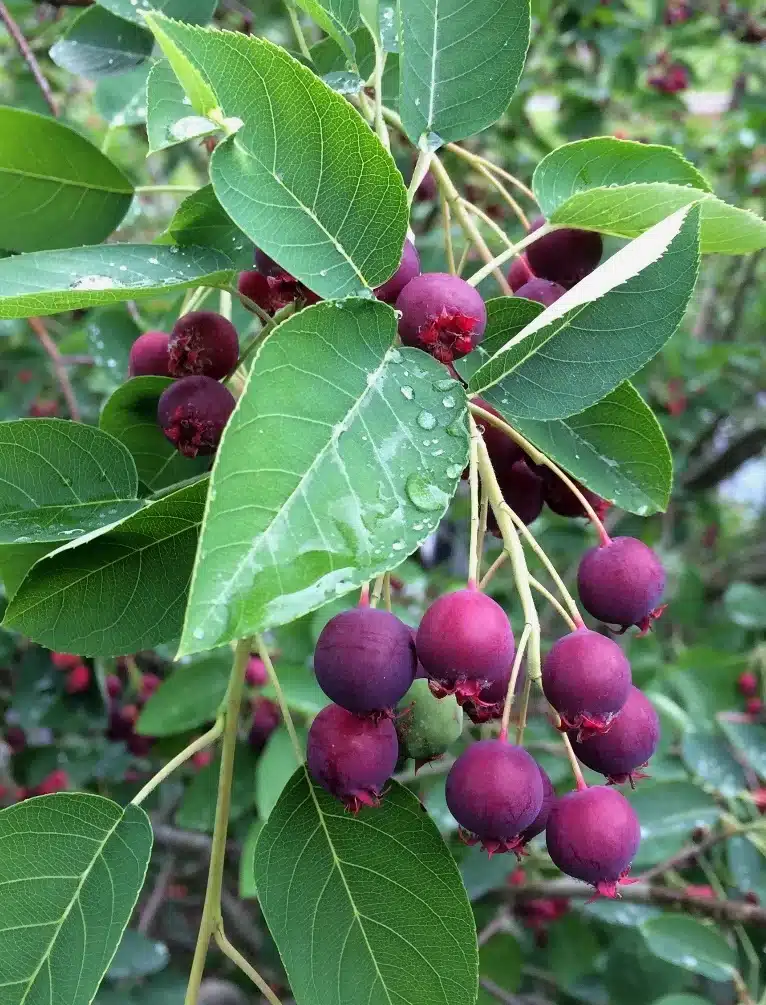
[(427, 725)]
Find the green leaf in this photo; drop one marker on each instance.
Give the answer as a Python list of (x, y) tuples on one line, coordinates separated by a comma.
[(682, 999), (60, 479), (339, 18), (15, 562), (247, 888), (197, 809), (690, 944), (99, 44), (402, 929), (329, 58), (169, 117), (460, 64), (111, 332), (119, 590), (745, 604), (49, 282), (616, 448), (334, 217), (500, 960), (200, 220), (481, 874), (198, 91), (669, 812), (76, 864), (747, 866), (137, 956), (188, 698), (193, 11), (276, 766), (709, 757), (45, 163), (341, 481), (121, 99), (749, 738), (130, 415), (601, 331)]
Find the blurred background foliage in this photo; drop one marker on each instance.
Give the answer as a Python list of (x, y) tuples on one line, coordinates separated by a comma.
[(680, 72)]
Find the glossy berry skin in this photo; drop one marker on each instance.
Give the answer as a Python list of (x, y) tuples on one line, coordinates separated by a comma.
[(150, 355), (365, 660), (519, 273), (562, 500), (564, 256), (465, 643), (495, 791), (540, 822), (630, 741), (203, 343), (593, 835), (442, 315), (622, 583), (542, 291), (351, 756), (426, 725), (409, 267), (193, 412), (586, 678)]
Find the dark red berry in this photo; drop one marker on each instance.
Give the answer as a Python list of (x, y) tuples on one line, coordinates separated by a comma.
[(593, 835), (65, 661), (753, 706), (266, 718), (494, 791), (621, 583), (502, 450), (522, 489), (270, 293), (78, 679), (565, 255), (631, 740), (562, 500), (267, 266), (149, 684), (669, 79), (193, 413), (43, 409), (150, 354), (466, 645), (428, 189), (519, 273), (409, 267), (365, 660), (56, 781), (16, 738), (442, 315), (540, 822), (351, 756), (203, 344), (138, 745), (542, 291), (113, 685), (586, 678), (255, 674), (747, 682)]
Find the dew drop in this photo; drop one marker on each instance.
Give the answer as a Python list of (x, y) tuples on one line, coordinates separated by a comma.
[(407, 391), (426, 420), (457, 428), (448, 401), (424, 495), (443, 385), (94, 283), (198, 634), (454, 471)]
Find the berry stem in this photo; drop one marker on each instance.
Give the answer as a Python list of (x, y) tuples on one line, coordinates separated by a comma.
[(268, 327), (364, 596), (552, 600), (166, 189), (523, 713), (279, 694), (199, 744), (509, 253), (300, 38), (387, 591), (485, 218), (523, 220), (421, 169), (252, 306), (225, 304), (483, 517), (575, 764), (478, 161), (239, 960), (211, 912), (473, 484), (512, 682), (377, 590), (449, 251), (380, 65), (500, 561)]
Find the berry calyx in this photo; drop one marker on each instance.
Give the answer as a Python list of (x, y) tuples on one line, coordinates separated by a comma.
[(203, 344), (593, 835), (631, 740), (586, 678), (442, 315), (564, 256), (193, 413), (562, 500), (519, 273), (150, 355), (495, 791), (270, 293), (621, 583), (427, 725), (365, 660), (409, 267), (351, 756), (542, 291), (466, 645)]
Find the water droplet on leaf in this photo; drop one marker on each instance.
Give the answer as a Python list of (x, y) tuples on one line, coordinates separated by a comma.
[(424, 495), (426, 420)]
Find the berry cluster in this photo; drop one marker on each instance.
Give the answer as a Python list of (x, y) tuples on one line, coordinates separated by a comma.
[(200, 351), (554, 263)]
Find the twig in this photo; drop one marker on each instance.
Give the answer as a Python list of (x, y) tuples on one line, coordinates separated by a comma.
[(239, 960), (29, 58), (691, 851), (188, 841), (57, 363), (157, 896), (732, 911)]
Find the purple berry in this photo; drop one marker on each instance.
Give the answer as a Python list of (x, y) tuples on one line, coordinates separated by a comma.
[(351, 756), (621, 583), (593, 835), (542, 291), (494, 791), (490, 701), (465, 643), (149, 355), (365, 660), (540, 822), (268, 267), (266, 718), (586, 678), (630, 742), (523, 491), (519, 273), (193, 413), (442, 315), (564, 256), (203, 344), (562, 500), (270, 293), (409, 267)]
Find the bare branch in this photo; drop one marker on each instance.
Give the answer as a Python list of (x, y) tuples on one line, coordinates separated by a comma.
[(29, 57), (57, 363)]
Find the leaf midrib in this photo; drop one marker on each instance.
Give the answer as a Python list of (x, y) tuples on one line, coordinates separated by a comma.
[(65, 182)]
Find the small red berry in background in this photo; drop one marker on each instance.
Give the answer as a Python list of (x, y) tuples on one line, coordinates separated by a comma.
[(113, 685), (747, 683), (65, 661), (702, 892), (78, 679), (256, 674), (56, 781), (149, 684), (753, 706), (759, 798), (202, 758)]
